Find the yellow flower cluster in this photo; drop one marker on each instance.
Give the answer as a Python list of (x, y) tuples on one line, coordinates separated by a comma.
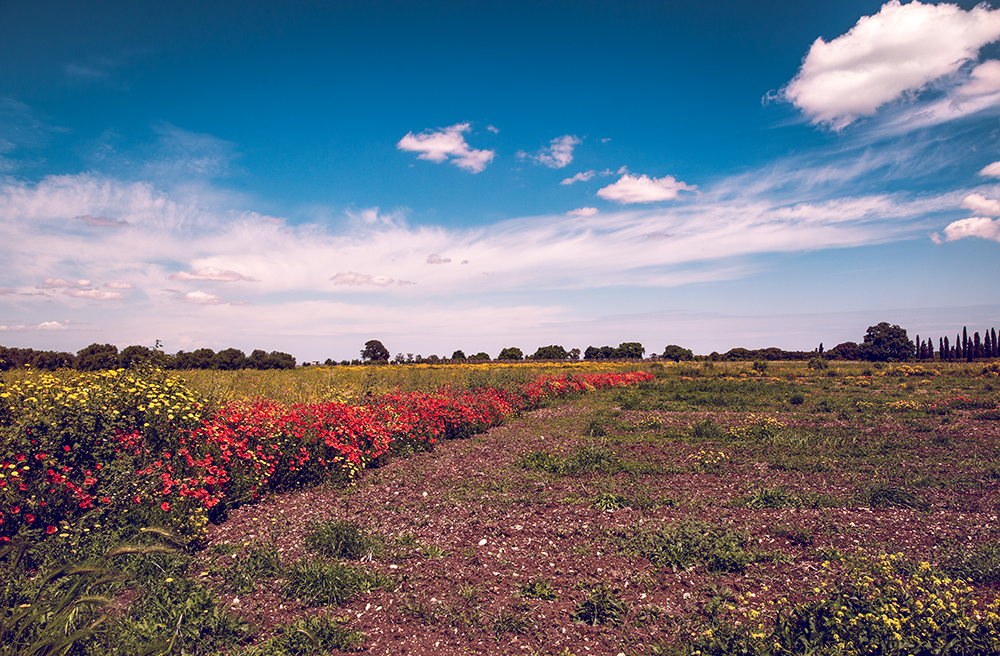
[(905, 611), (708, 460), (32, 396), (757, 428)]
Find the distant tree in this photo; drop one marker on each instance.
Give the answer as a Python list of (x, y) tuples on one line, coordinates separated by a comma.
[(574, 354), (257, 360), (329, 362), (458, 355), (599, 353), (920, 347), (52, 360), (844, 351), (511, 353), (677, 353), (552, 352), (375, 352), (482, 355), (996, 349), (885, 343), (399, 359), (929, 351), (280, 360), (942, 349), (977, 346), (97, 357), (229, 359), (738, 354), (630, 351)]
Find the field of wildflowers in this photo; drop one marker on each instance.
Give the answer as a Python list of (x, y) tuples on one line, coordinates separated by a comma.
[(139, 448), (687, 509)]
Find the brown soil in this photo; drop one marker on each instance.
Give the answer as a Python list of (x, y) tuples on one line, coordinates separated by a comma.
[(500, 526)]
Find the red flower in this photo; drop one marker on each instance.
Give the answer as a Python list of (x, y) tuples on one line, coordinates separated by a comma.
[(50, 530), (29, 518), (165, 507), (15, 510), (66, 449)]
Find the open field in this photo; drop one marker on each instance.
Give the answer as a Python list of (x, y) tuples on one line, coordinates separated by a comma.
[(713, 509)]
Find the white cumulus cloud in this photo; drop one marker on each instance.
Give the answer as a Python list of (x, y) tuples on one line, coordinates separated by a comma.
[(559, 153), (644, 189), (361, 279), (94, 294), (202, 298), (980, 204), (977, 226), (582, 176), (434, 258), (884, 57), (447, 143), (583, 211), (983, 80), (211, 274), (991, 170)]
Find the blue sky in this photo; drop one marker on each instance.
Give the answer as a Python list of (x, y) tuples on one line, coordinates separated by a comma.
[(307, 176)]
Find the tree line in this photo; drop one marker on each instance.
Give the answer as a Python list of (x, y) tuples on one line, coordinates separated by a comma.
[(97, 357), (881, 343)]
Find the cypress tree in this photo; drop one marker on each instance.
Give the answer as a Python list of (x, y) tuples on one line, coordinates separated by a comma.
[(941, 348), (996, 349), (920, 348), (930, 349), (958, 348)]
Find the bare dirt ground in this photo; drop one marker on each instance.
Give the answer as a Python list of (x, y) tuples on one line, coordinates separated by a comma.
[(467, 529)]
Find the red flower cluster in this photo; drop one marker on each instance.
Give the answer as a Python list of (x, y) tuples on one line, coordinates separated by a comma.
[(248, 448)]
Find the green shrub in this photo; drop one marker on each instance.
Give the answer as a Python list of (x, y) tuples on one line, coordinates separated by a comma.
[(538, 589), (980, 564), (319, 583), (690, 543), (707, 429), (585, 460), (308, 636), (341, 539), (887, 495), (601, 607)]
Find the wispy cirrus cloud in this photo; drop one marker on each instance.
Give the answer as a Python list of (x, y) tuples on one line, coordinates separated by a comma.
[(889, 56), (447, 144), (644, 189), (558, 154)]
